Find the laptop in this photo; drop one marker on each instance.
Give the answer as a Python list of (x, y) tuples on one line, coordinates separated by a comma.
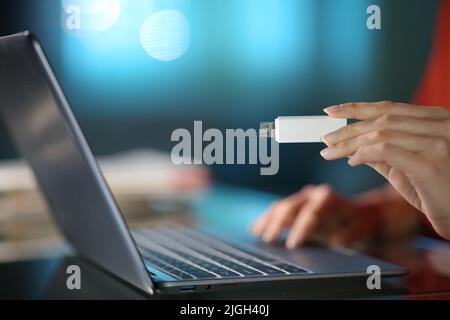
[(45, 132)]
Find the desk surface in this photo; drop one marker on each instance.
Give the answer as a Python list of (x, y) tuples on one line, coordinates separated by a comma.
[(428, 261)]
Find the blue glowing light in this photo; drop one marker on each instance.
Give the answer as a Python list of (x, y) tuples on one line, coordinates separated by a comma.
[(166, 35), (83, 17)]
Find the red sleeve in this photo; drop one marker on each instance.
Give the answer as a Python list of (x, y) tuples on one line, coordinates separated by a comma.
[(434, 90)]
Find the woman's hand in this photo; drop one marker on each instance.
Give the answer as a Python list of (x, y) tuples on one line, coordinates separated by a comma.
[(408, 145), (319, 214)]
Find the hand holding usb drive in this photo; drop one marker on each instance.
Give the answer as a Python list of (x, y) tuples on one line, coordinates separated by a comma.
[(300, 129)]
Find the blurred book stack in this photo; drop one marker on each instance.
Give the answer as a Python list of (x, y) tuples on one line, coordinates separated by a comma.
[(148, 188)]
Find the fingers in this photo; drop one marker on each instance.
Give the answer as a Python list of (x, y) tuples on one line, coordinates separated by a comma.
[(405, 124), (279, 216), (398, 180), (382, 168), (316, 213), (394, 156), (403, 185), (357, 232), (396, 165), (364, 111), (409, 142), (259, 225), (309, 217)]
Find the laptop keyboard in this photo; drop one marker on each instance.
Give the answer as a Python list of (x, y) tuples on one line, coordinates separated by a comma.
[(188, 254)]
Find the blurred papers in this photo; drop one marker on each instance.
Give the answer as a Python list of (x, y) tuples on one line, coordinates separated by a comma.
[(149, 189), (137, 173)]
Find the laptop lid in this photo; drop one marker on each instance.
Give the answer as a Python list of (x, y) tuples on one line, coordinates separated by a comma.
[(46, 133)]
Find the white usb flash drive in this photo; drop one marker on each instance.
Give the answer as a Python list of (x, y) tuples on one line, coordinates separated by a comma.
[(300, 129)]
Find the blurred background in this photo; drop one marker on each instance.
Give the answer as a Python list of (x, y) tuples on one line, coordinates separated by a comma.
[(231, 64), (239, 63)]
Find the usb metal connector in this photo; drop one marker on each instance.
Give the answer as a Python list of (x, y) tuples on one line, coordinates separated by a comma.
[(267, 130)]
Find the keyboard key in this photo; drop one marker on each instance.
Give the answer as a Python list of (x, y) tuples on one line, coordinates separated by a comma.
[(269, 270), (168, 265), (230, 260), (291, 268), (258, 266), (199, 274), (167, 269), (238, 268), (207, 265), (259, 256), (234, 266)]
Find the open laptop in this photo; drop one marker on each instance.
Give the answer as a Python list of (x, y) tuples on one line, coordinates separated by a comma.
[(46, 133)]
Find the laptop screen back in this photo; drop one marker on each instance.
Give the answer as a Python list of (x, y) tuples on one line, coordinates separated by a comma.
[(46, 134)]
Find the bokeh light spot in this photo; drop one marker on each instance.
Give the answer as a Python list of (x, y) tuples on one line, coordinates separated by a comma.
[(166, 35)]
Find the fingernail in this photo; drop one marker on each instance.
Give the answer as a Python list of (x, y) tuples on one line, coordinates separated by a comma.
[(291, 244), (333, 109), (351, 162), (327, 153), (268, 236), (256, 229)]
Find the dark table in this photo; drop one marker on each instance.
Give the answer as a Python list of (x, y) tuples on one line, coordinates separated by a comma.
[(427, 260)]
